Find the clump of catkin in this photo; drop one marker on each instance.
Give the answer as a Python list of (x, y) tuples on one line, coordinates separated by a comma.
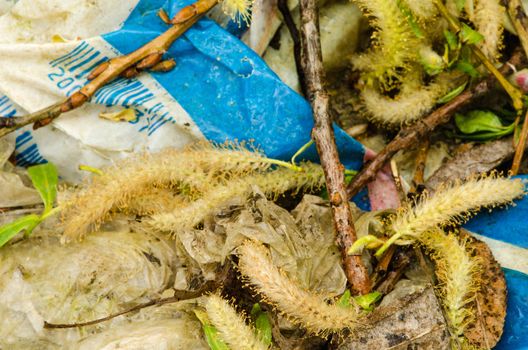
[(272, 183), (303, 307), (487, 18), (457, 273), (190, 172), (453, 200), (232, 328)]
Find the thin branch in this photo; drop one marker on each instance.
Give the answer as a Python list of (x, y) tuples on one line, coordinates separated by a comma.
[(421, 158), (323, 135), (146, 57), (411, 135), (520, 22), (294, 33), (179, 295)]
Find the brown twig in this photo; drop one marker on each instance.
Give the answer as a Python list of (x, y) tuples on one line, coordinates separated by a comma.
[(421, 158), (179, 295), (323, 135), (520, 22), (294, 33), (146, 57), (414, 133)]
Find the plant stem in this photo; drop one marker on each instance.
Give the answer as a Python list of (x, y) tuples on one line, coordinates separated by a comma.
[(409, 136), (515, 94), (143, 58), (323, 135), (520, 22)]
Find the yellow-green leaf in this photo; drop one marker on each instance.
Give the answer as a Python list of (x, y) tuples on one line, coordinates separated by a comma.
[(45, 179), (25, 223), (262, 324)]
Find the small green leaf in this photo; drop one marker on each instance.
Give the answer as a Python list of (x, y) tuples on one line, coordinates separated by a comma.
[(452, 94), (470, 35), (211, 333), (368, 241), (262, 324), (366, 301), (411, 20), (451, 39), (478, 121), (481, 126), (466, 67), (45, 179), (25, 223), (344, 300)]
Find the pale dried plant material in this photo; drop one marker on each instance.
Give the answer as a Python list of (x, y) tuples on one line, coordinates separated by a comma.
[(191, 171), (232, 327), (487, 17), (155, 200), (301, 306), (414, 100), (272, 183), (451, 203), (394, 42), (458, 277)]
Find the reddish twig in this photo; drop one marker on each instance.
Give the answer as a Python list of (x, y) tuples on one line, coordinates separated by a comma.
[(409, 136), (148, 56), (323, 135), (520, 22)]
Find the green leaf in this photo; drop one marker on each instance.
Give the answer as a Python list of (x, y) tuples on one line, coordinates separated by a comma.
[(45, 179), (478, 121), (344, 300), (451, 39), (211, 333), (366, 301), (466, 67), (368, 241), (452, 94), (470, 35), (262, 324), (481, 126), (411, 20), (25, 223)]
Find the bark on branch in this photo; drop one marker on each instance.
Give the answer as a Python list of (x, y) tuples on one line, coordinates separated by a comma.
[(323, 135), (411, 135)]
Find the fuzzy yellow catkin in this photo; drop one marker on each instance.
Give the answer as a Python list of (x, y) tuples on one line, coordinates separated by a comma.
[(424, 10), (196, 168), (272, 183), (231, 327), (155, 200), (453, 200), (414, 100), (394, 42), (301, 306), (457, 273), (487, 18)]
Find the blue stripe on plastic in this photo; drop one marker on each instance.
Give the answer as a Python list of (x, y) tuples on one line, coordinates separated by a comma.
[(79, 57), (86, 61), (23, 138), (90, 68), (73, 53)]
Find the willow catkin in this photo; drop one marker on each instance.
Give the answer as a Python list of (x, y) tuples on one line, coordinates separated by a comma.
[(457, 273), (195, 169), (451, 201), (231, 327), (272, 183), (487, 18), (414, 100), (394, 42), (301, 306)]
